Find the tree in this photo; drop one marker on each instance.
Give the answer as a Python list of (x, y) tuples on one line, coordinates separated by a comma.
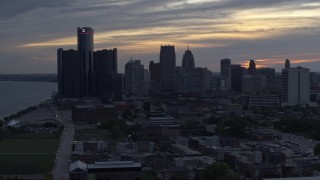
[(127, 113), (230, 177), (316, 150), (146, 106), (49, 176), (215, 171)]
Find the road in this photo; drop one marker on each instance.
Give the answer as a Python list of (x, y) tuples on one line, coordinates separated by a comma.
[(61, 164)]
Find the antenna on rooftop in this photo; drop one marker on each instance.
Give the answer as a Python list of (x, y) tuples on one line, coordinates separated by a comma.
[(225, 52)]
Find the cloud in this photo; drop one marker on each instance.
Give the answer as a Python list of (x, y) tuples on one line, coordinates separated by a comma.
[(250, 29), (9, 9)]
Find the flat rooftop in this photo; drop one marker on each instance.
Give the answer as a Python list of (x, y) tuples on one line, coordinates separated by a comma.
[(114, 164)]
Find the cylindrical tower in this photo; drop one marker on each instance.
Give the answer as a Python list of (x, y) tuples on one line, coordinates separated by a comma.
[(85, 49)]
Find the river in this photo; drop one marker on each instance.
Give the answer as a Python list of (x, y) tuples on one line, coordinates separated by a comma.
[(18, 95)]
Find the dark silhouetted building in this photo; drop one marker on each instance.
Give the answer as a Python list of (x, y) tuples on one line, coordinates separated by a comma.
[(134, 77), (188, 75), (105, 62), (167, 68), (111, 170), (154, 69), (205, 81), (69, 70), (254, 84), (85, 73), (270, 74), (93, 114), (236, 77), (119, 87), (287, 64), (188, 61), (85, 50), (252, 67), (225, 70)]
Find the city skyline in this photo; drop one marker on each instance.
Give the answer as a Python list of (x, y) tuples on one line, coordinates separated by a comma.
[(268, 32)]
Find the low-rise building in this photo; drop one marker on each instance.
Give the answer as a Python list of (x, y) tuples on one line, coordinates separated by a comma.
[(93, 114), (261, 101), (112, 170), (164, 121)]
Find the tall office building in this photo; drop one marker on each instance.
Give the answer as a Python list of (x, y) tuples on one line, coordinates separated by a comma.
[(118, 89), (236, 77), (225, 70), (154, 69), (105, 63), (295, 86), (85, 49), (205, 81), (69, 71), (167, 68), (134, 77)]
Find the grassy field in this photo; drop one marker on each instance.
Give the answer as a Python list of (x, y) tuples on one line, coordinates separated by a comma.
[(27, 156), (92, 135)]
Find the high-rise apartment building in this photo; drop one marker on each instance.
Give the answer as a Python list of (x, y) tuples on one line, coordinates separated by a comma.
[(295, 86), (167, 68), (134, 77)]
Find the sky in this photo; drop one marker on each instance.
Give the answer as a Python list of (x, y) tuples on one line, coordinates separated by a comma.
[(268, 31)]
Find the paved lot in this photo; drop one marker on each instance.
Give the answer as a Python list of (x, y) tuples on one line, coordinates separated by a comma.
[(37, 115), (306, 143)]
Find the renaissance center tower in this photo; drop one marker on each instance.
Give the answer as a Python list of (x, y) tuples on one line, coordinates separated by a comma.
[(85, 50)]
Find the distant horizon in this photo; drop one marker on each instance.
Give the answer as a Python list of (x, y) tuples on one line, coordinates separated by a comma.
[(214, 72)]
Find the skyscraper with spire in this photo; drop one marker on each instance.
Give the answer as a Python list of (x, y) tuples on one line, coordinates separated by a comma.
[(188, 74), (187, 61)]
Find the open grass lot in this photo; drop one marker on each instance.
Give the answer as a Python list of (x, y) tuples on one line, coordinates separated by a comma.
[(89, 134), (27, 156), (42, 145)]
